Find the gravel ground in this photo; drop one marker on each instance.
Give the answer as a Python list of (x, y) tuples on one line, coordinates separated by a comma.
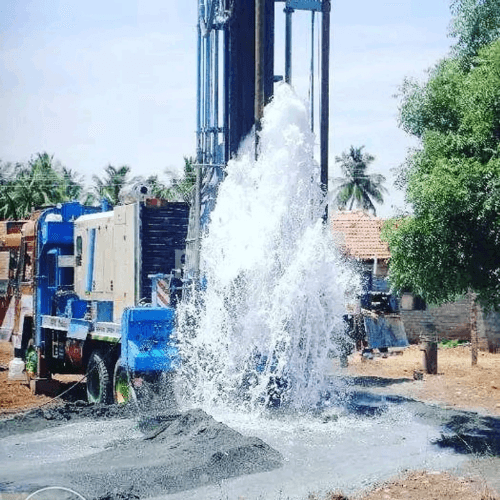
[(422, 485)]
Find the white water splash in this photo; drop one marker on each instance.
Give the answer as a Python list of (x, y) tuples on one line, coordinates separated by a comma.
[(271, 313)]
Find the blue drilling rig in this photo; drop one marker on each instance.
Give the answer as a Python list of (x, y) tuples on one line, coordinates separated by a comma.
[(235, 80)]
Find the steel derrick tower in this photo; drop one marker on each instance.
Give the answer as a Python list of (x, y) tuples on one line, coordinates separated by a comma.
[(235, 79)]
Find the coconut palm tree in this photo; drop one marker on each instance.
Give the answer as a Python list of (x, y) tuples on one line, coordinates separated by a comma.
[(173, 187), (114, 181), (181, 188), (356, 187), (30, 186), (72, 185)]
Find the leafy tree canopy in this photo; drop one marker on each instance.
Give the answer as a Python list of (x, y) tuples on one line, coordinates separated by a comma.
[(475, 23), (181, 188), (452, 242), (110, 185), (44, 182), (176, 188)]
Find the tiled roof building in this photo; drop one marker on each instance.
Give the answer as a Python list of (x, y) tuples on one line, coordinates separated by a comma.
[(358, 234)]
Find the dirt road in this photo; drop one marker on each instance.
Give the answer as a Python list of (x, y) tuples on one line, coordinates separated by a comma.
[(457, 384)]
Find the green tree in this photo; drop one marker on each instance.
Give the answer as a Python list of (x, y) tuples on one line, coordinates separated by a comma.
[(181, 189), (39, 183), (114, 180), (34, 185), (475, 24), (451, 244), (357, 187), (72, 185)]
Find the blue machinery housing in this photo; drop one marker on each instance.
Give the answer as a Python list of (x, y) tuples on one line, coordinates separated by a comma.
[(55, 231), (146, 334), (65, 324)]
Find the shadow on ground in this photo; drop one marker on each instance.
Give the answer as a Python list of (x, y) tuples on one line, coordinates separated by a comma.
[(75, 391), (471, 434), (361, 402), (461, 431)]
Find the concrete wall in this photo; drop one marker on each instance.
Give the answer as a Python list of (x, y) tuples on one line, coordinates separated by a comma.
[(452, 321), (449, 321)]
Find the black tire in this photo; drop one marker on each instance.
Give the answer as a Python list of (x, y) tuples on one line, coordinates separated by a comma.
[(123, 392), (99, 382)]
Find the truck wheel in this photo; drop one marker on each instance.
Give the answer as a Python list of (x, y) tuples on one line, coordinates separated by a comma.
[(99, 386), (123, 391)]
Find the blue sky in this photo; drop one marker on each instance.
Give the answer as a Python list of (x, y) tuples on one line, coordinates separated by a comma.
[(114, 81)]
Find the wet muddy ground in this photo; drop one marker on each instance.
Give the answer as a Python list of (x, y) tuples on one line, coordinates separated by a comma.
[(103, 453), (372, 430), (111, 452)]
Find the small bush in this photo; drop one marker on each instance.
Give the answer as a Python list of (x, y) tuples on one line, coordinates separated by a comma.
[(447, 344)]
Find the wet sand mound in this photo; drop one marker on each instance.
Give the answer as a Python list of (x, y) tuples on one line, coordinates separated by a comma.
[(166, 453), (177, 452)]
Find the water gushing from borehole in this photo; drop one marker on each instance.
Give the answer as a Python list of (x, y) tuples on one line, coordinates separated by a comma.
[(270, 317)]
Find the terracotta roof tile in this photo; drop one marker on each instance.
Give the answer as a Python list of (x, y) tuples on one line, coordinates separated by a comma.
[(358, 234)]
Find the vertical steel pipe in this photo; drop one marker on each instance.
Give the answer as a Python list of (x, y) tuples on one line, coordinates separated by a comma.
[(198, 98), (208, 100), (312, 72), (269, 51), (225, 95), (288, 44), (259, 68), (325, 98), (216, 97), (200, 153)]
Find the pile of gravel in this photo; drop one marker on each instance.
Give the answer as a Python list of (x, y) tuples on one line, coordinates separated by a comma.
[(173, 451), (177, 452)]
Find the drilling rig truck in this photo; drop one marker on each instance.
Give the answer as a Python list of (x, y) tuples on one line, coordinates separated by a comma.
[(83, 275), (91, 291)]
